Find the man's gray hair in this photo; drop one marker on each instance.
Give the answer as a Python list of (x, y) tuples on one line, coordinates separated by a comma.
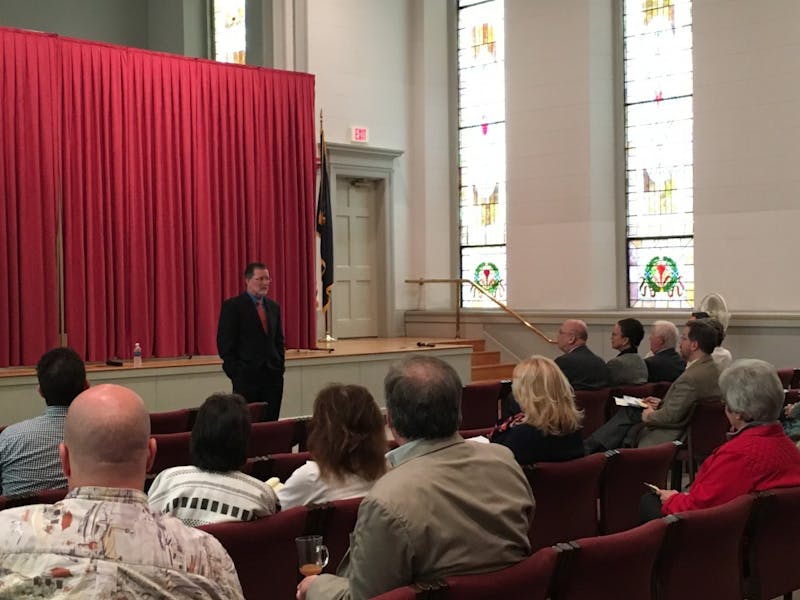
[(423, 398), (667, 330), (751, 388)]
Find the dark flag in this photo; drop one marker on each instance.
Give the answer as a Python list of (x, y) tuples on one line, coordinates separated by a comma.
[(325, 224)]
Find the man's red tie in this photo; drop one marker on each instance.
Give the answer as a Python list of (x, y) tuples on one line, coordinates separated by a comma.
[(262, 314)]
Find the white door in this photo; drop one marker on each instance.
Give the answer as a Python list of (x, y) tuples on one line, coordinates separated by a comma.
[(355, 299)]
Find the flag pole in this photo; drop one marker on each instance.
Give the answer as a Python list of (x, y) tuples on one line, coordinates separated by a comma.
[(325, 231)]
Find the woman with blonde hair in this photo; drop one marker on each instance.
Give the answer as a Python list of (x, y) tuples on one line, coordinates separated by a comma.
[(548, 427), (347, 442)]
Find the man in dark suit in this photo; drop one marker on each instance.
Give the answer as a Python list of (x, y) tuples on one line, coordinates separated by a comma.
[(665, 364), (665, 420), (582, 367), (250, 342)]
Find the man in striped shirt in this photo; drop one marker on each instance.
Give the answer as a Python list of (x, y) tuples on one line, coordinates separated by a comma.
[(29, 450)]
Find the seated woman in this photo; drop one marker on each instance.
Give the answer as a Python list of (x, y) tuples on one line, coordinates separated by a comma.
[(627, 368), (212, 489), (347, 441), (758, 455), (548, 428)]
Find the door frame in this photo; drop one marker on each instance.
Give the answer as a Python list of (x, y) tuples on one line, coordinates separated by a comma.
[(366, 162)]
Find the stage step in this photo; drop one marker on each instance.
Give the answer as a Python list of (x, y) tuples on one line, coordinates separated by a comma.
[(486, 357), (496, 371)]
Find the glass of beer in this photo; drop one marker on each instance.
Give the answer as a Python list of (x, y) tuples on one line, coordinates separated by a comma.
[(312, 554)]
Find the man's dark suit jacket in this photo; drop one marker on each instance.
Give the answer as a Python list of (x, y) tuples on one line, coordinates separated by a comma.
[(584, 369), (666, 365), (250, 357)]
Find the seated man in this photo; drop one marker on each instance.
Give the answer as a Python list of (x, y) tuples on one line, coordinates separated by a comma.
[(665, 421), (29, 450), (756, 457), (447, 506), (101, 541), (583, 368), (665, 364)]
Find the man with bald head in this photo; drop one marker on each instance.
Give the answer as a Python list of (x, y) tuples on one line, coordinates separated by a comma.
[(583, 368), (102, 540)]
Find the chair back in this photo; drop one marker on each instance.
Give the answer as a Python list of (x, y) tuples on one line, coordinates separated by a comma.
[(271, 437), (640, 390), (622, 486), (566, 499), (529, 579), (407, 592), (707, 427), (172, 450), (660, 388), (257, 411), (264, 552), (50, 496), (771, 548), (594, 404), (611, 567), (334, 521), (701, 556), (275, 465), (479, 404), (173, 421), (470, 433)]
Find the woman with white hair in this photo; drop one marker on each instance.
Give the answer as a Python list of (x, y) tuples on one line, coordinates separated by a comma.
[(757, 456)]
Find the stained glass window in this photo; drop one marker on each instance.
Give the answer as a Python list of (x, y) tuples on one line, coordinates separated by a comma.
[(482, 149), (658, 149), (229, 36)]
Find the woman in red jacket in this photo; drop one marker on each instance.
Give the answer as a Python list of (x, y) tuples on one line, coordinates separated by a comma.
[(757, 456)]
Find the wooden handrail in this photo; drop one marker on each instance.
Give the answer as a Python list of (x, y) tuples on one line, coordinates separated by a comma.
[(459, 282)]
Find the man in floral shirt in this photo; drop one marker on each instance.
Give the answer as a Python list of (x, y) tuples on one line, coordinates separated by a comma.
[(102, 541)]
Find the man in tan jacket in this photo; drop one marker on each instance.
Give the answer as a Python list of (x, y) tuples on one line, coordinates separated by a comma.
[(447, 506)]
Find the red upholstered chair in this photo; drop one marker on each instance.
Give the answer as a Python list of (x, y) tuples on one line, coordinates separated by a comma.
[(273, 437), (469, 433), (566, 499), (301, 431), (594, 404), (530, 579), (621, 487), (701, 556), (407, 592), (173, 421), (786, 376), (275, 465), (479, 404), (611, 567), (771, 545), (661, 388), (264, 552), (41, 497), (641, 390), (256, 410), (172, 450), (705, 433), (334, 521)]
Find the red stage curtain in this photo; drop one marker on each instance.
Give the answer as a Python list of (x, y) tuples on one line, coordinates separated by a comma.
[(29, 141), (176, 173)]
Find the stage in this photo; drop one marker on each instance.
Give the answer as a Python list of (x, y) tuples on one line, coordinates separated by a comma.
[(166, 384)]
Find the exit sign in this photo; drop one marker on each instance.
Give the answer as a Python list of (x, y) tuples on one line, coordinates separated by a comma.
[(359, 134)]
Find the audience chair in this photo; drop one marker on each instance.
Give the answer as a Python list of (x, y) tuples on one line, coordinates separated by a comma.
[(256, 410), (264, 552), (470, 433), (610, 567), (334, 521), (594, 404), (622, 484), (479, 403), (701, 556), (407, 592), (275, 465), (566, 499), (530, 579), (301, 431), (705, 433), (272, 437), (771, 545), (661, 388), (172, 450), (50, 496), (786, 376), (173, 421)]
